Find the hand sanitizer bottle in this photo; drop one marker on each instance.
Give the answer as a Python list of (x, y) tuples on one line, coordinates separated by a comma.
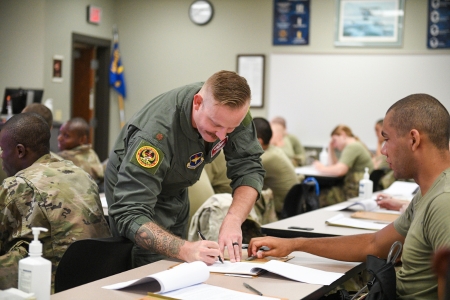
[(323, 156), (35, 271), (365, 186)]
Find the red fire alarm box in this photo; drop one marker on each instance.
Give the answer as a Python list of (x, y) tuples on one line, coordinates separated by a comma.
[(94, 14)]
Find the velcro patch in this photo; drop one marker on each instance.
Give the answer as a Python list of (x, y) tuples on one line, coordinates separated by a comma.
[(148, 157)]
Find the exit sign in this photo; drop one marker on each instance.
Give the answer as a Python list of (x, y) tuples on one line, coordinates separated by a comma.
[(94, 14)]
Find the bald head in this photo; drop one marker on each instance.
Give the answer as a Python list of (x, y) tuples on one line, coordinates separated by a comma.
[(425, 114)]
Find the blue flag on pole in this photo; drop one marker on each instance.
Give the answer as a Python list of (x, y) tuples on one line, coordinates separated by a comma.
[(116, 78)]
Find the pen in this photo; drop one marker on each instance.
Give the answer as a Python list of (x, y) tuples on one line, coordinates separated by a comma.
[(301, 228), (263, 248), (252, 289), (203, 238)]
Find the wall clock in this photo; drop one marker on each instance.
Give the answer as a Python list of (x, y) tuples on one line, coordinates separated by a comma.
[(201, 12)]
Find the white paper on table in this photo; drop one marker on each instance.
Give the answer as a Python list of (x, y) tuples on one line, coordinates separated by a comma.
[(291, 271), (211, 292), (299, 273), (245, 268), (341, 220), (181, 276), (402, 188), (359, 205)]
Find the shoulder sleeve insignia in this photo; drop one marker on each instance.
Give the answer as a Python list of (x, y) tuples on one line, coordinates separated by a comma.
[(148, 157)]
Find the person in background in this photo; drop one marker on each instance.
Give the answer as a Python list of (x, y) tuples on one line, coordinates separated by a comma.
[(354, 158), (217, 174), (280, 173), (44, 112), (73, 143), (288, 142), (162, 151), (41, 191), (416, 131), (379, 160)]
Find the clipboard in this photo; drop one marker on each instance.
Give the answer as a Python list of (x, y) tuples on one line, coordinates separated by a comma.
[(369, 215)]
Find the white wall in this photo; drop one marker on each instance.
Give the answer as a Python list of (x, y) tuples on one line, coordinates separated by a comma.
[(161, 48)]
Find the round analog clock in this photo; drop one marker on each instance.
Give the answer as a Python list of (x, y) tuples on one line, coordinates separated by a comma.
[(201, 12)]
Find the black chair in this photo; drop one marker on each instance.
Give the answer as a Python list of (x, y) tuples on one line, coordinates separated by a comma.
[(376, 176), (92, 259)]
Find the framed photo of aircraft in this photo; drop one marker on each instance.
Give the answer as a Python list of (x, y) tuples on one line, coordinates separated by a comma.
[(369, 23)]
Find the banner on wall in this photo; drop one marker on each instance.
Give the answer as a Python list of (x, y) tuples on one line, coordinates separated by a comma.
[(438, 24), (291, 22)]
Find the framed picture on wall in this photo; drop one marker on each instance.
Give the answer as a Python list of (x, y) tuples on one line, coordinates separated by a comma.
[(369, 23), (251, 67), (57, 68)]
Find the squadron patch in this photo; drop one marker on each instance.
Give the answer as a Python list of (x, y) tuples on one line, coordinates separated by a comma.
[(195, 160), (148, 157)]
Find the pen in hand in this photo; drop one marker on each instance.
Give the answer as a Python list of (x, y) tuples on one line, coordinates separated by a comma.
[(252, 289), (203, 238)]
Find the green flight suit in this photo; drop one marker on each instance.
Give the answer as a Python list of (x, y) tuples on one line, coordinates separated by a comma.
[(158, 154)]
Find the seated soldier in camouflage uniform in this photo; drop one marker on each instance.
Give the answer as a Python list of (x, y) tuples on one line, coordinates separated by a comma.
[(42, 191), (73, 142), (354, 158)]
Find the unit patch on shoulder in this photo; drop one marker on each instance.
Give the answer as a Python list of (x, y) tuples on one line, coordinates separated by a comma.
[(147, 157)]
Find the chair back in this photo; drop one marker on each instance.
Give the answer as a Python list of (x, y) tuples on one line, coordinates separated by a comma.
[(92, 259), (376, 176)]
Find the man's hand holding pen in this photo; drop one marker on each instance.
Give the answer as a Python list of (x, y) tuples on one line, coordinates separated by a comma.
[(275, 247), (210, 246), (386, 201)]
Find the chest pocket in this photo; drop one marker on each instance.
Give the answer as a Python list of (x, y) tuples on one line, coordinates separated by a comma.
[(180, 177)]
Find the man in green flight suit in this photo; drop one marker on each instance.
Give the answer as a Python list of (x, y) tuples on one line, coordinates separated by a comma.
[(162, 150)]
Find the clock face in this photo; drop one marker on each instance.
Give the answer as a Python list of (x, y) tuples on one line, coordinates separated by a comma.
[(201, 12)]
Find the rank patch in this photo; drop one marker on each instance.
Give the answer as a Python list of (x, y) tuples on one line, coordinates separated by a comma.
[(148, 157), (195, 160)]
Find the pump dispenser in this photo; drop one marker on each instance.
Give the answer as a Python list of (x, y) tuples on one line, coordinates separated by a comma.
[(365, 186), (35, 271), (323, 156)]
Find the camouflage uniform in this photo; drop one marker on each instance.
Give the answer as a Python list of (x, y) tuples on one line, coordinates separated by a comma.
[(54, 194), (85, 157), (356, 157), (158, 154), (208, 220)]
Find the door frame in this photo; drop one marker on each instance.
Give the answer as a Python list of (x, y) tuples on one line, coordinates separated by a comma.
[(102, 99)]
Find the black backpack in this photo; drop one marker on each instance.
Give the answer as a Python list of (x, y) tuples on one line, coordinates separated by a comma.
[(301, 198)]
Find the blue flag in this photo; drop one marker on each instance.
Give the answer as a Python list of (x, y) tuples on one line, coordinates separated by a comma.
[(116, 78)]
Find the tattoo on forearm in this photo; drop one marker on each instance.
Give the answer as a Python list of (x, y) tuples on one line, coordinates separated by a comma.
[(152, 237)]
